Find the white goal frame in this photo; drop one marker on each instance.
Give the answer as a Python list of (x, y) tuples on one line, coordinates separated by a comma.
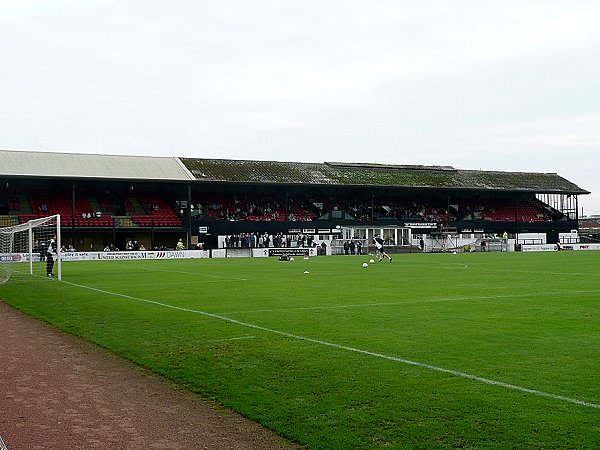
[(12, 251)]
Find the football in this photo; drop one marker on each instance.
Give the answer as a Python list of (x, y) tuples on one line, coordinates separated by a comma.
[(365, 265), (371, 261)]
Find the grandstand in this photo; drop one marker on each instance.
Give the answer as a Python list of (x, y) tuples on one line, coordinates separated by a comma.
[(109, 199), (589, 228)]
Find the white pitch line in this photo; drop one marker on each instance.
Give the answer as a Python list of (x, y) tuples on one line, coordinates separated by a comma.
[(537, 272), (230, 339), (198, 274), (352, 349), (444, 265), (191, 282), (408, 302), (456, 266)]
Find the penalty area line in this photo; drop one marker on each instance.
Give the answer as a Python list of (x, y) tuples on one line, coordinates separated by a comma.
[(196, 274), (353, 349), (230, 339)]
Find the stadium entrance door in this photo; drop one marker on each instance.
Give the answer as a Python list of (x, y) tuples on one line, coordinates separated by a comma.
[(444, 239)]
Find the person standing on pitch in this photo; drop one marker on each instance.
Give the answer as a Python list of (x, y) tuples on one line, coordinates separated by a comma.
[(50, 252), (380, 250)]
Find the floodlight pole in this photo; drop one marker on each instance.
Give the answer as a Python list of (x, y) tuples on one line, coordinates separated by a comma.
[(286, 211), (30, 239), (58, 248), (73, 216), (372, 207), (152, 227), (189, 215), (516, 222)]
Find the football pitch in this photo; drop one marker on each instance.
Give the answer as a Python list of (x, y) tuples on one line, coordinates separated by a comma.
[(480, 350)]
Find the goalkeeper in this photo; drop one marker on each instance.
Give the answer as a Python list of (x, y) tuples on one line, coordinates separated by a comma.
[(50, 252)]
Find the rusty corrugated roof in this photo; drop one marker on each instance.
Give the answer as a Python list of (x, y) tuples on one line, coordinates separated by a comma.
[(365, 174), (76, 165)]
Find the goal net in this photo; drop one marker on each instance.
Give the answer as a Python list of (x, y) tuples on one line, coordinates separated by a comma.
[(32, 248)]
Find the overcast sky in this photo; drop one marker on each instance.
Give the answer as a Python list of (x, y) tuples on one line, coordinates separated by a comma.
[(494, 85)]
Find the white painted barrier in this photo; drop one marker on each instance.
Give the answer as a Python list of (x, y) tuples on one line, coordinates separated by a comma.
[(114, 256), (167, 254), (580, 246), (554, 247), (290, 251), (223, 253)]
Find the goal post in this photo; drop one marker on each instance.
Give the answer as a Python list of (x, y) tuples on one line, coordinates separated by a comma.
[(24, 248)]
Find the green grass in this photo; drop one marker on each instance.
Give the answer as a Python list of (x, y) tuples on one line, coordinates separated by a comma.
[(432, 351)]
